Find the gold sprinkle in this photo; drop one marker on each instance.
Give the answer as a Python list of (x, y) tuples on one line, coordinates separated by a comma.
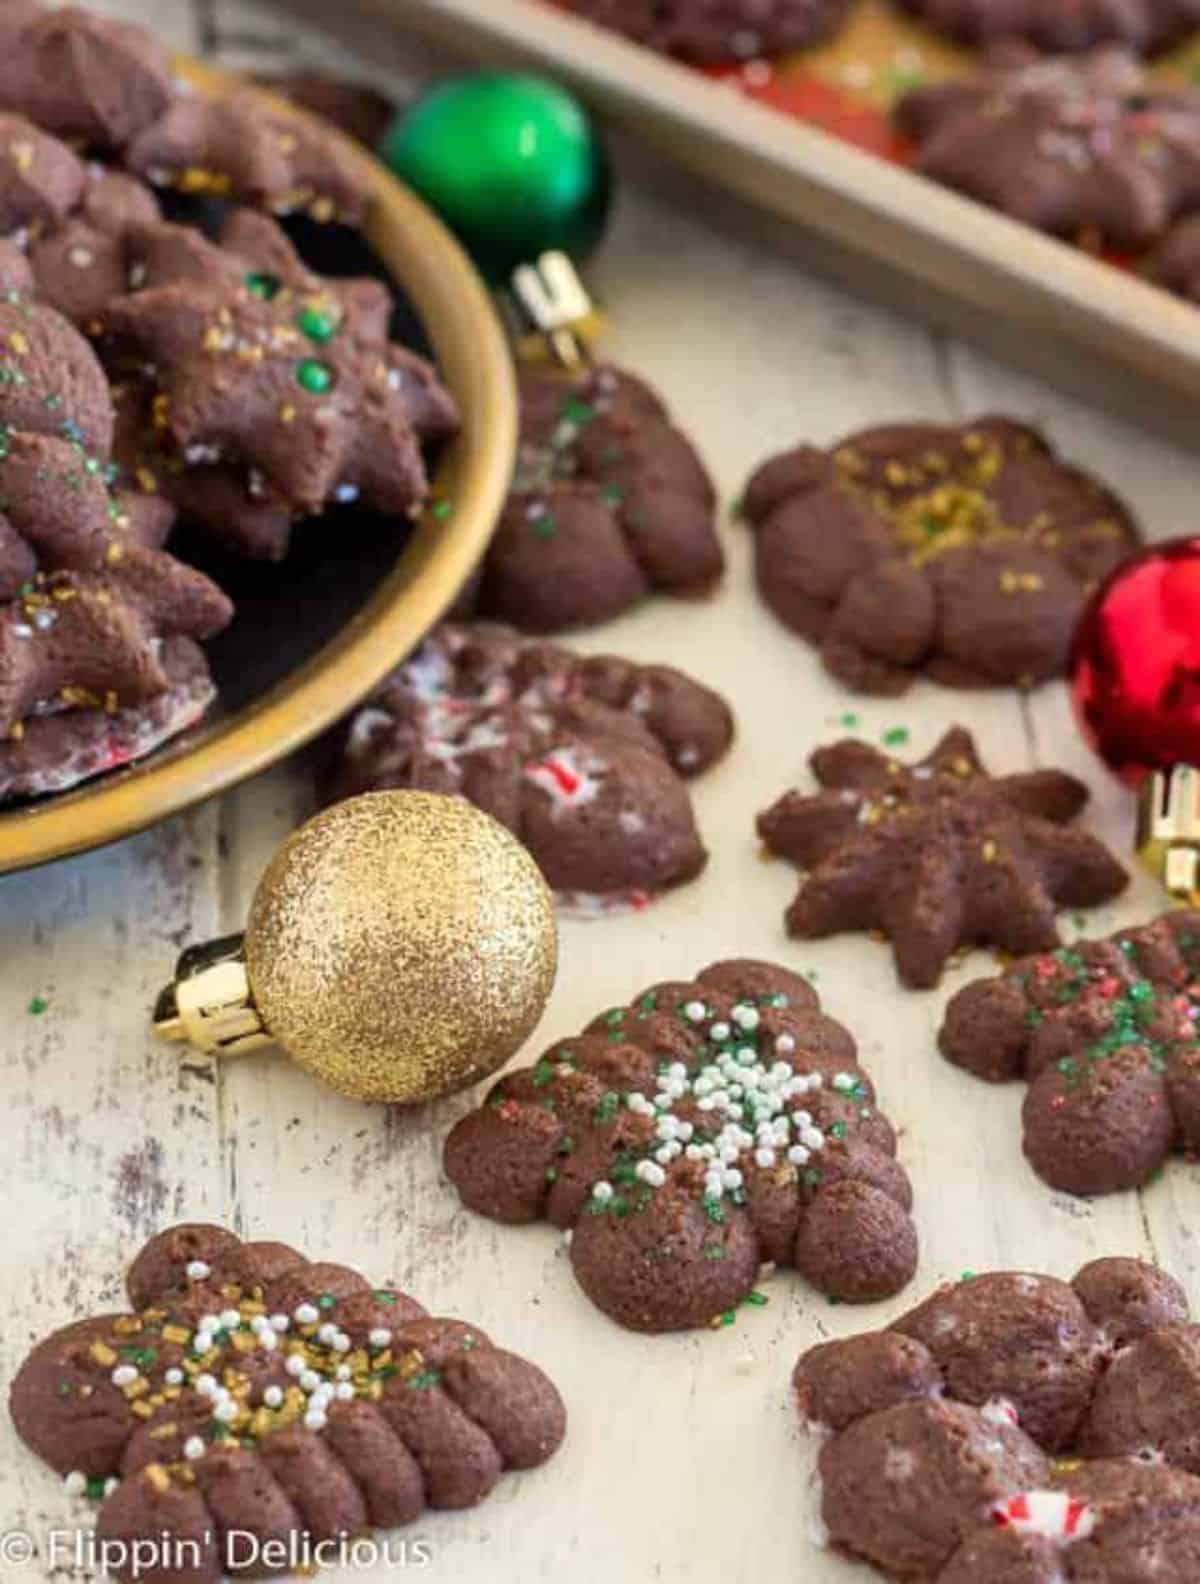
[(18, 343), (22, 154), (147, 480), (143, 1410), (101, 1351), (127, 1325), (321, 210), (195, 179), (214, 339), (176, 1333), (989, 851), (158, 1477), (114, 553), (16, 731), (162, 1431), (287, 413)]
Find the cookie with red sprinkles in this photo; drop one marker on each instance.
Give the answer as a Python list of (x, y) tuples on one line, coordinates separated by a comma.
[(937, 856), (712, 31), (963, 553), (1104, 1032), (252, 1401), (1087, 147), (586, 760), (1015, 1429), (683, 1141), (610, 503), (1068, 25)]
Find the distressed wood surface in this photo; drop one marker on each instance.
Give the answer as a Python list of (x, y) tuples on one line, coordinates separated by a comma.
[(682, 1461)]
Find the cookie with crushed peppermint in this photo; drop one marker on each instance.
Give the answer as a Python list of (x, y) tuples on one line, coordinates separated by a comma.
[(684, 1140), (610, 503), (250, 1390), (584, 760), (964, 553), (1104, 1032), (1087, 147), (1143, 25), (712, 31), (937, 856), (1015, 1429), (284, 375)]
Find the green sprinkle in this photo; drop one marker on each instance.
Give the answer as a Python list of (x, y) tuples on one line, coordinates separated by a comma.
[(714, 1251), (37, 1005), (895, 737), (382, 1297), (607, 1109), (967, 1275), (542, 1074), (838, 1130), (94, 1490), (578, 412), (264, 286), (544, 527), (315, 377), (441, 510), (326, 1301), (714, 1210), (729, 1317), (849, 720), (316, 324), (757, 1299), (614, 494), (1141, 991)]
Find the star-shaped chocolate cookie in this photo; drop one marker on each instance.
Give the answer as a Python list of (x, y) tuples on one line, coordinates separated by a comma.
[(937, 855), (268, 368)]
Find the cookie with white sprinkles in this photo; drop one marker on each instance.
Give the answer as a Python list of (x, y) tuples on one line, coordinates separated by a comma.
[(708, 1128), (250, 1391), (1016, 1429)]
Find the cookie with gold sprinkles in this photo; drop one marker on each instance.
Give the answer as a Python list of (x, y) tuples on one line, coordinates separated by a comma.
[(250, 1398), (964, 553), (1105, 1034), (1015, 1429), (1087, 147), (712, 31), (939, 855), (283, 376), (682, 1142), (1143, 25)]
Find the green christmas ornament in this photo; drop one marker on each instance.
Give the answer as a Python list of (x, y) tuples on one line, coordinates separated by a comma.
[(512, 163)]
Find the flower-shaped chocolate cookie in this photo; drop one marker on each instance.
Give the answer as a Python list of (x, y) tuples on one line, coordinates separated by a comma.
[(1105, 1033), (686, 1138), (250, 1393), (1016, 1429), (938, 855), (964, 553)]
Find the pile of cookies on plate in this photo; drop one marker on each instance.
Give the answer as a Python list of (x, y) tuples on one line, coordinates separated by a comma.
[(1056, 123), (149, 370)]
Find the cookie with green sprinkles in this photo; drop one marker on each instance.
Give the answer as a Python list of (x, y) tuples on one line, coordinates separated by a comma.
[(251, 1392), (963, 553), (1105, 1033), (277, 392), (1015, 1429), (939, 855), (610, 503), (685, 1140)]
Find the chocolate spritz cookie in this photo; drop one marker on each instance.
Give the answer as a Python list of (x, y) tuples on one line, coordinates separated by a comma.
[(98, 658), (1175, 263), (1105, 1034), (687, 1138), (938, 855), (711, 31), (1016, 1429), (609, 503), (1143, 25), (276, 391), (1086, 147), (251, 1398), (585, 760), (963, 553)]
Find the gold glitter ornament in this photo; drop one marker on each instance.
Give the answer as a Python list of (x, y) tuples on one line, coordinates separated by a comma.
[(400, 945)]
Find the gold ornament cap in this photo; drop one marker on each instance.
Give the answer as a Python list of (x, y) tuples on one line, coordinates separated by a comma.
[(400, 945), (1168, 839)]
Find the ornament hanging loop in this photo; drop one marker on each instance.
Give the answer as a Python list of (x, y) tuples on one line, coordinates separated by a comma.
[(1169, 830), (209, 1004), (551, 301)]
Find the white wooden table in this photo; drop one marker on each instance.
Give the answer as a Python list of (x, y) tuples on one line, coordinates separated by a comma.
[(683, 1461)]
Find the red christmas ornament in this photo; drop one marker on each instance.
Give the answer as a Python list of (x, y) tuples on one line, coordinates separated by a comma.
[(1135, 663)]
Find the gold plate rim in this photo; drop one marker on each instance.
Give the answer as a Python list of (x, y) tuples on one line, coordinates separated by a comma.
[(473, 358)]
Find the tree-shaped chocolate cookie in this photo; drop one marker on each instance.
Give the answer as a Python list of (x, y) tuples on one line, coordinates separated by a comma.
[(1105, 1033), (251, 1397), (688, 1137), (1016, 1429), (584, 760), (938, 855), (610, 502), (961, 552), (96, 627), (286, 376), (1085, 147)]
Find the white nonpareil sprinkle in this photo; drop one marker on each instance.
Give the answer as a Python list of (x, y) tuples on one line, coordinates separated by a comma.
[(197, 1270), (75, 1483), (202, 1341), (280, 1323), (124, 1375), (327, 1332), (379, 1338), (174, 1377), (295, 1364), (345, 1391), (268, 1339), (230, 1319), (307, 1314), (206, 1385), (315, 1419), (844, 1082), (209, 1322), (226, 1410), (695, 1011), (193, 1448), (309, 1380), (341, 1343), (603, 1191), (273, 1396)]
